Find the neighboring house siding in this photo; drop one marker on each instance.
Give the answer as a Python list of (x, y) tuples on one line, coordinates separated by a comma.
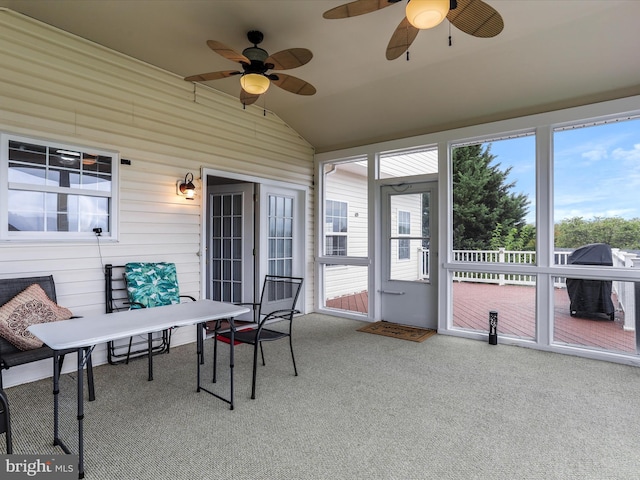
[(349, 187), (59, 87)]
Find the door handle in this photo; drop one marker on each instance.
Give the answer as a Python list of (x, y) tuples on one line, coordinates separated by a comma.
[(391, 292)]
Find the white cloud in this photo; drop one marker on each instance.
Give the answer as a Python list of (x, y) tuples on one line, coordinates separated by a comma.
[(595, 154), (626, 155)]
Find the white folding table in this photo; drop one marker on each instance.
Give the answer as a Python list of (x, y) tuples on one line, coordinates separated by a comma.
[(84, 333)]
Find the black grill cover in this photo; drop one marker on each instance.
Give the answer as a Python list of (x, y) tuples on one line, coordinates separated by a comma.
[(591, 296)]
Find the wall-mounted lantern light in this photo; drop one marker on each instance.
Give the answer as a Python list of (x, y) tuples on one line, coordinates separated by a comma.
[(186, 187)]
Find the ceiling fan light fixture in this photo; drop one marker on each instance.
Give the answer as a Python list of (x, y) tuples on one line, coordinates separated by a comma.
[(424, 14), (254, 83)]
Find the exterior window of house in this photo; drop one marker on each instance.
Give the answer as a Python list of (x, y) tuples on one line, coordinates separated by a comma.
[(55, 191), (336, 228), (404, 228)]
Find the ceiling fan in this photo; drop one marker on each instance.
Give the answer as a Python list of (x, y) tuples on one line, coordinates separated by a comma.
[(256, 62), (474, 17)]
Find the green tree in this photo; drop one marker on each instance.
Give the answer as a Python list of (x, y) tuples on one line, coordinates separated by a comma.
[(615, 231), (485, 211), (515, 239)]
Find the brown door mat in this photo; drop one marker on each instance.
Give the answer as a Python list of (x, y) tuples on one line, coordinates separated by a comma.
[(395, 330)]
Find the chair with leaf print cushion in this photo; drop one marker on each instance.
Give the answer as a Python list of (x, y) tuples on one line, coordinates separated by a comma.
[(147, 285)]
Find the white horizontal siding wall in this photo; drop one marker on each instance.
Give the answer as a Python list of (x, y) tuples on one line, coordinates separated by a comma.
[(59, 87)]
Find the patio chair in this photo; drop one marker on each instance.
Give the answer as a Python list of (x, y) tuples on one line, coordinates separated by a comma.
[(5, 420), (141, 285), (10, 355), (277, 306)]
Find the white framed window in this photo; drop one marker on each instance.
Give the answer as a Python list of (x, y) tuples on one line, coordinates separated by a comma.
[(404, 228), (336, 228), (55, 191)]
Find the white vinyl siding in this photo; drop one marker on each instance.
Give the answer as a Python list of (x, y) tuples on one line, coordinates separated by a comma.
[(61, 88)]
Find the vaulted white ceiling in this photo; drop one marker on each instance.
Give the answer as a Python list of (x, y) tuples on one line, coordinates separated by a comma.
[(551, 54)]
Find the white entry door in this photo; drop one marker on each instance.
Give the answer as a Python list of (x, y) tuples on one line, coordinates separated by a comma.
[(230, 243), (409, 254), (281, 234)]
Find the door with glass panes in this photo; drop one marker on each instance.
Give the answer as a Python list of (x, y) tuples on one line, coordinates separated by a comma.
[(409, 254), (281, 236), (249, 239), (230, 243)]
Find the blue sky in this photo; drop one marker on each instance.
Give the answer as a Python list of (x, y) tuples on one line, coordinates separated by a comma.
[(596, 170)]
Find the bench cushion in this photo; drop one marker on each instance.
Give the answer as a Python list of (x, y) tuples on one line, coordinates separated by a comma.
[(29, 307)]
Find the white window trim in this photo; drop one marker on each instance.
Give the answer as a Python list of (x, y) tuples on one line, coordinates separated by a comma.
[(8, 236)]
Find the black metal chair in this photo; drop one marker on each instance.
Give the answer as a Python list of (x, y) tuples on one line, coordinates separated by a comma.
[(5, 420), (277, 306), (10, 356)]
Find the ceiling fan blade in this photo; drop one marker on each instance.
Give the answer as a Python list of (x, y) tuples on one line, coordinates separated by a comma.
[(204, 77), (227, 52), (248, 98), (293, 84), (401, 39), (290, 58), (359, 7), (476, 18)]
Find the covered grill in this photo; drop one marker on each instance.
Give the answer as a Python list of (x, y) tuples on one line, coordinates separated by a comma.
[(591, 296)]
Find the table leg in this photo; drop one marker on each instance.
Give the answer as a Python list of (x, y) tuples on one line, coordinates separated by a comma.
[(150, 344), (199, 354), (231, 359), (81, 360), (84, 356), (199, 349), (56, 391)]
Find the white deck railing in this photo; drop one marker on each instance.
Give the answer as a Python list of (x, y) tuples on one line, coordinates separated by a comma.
[(625, 291), (504, 256), (493, 256)]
